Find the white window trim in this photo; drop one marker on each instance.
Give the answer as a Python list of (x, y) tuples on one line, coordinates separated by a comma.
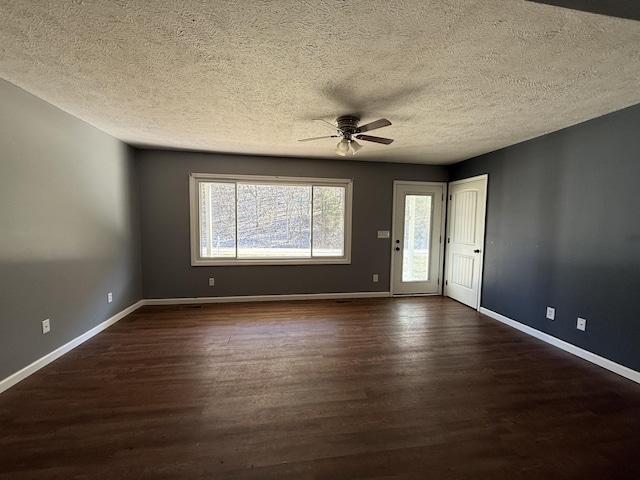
[(197, 260)]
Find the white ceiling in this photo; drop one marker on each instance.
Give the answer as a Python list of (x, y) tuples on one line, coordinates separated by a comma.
[(457, 78)]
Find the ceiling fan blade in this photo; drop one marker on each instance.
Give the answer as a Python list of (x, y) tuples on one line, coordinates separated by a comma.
[(329, 124), (369, 138), (317, 138), (383, 122)]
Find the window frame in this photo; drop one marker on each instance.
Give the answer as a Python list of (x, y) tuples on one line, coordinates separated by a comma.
[(194, 215)]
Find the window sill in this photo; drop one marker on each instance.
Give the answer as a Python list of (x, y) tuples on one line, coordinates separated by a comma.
[(202, 262)]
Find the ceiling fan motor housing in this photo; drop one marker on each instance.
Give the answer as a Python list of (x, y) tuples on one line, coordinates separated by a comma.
[(348, 125)]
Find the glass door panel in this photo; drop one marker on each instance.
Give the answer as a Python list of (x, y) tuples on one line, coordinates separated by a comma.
[(417, 238)]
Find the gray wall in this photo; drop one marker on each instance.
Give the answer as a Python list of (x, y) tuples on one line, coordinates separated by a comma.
[(69, 229), (563, 229), (165, 226)]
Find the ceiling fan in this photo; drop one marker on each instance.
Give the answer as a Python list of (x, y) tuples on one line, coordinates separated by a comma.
[(347, 128)]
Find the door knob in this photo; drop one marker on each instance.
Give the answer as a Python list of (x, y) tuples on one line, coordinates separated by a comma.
[(476, 251), (397, 249)]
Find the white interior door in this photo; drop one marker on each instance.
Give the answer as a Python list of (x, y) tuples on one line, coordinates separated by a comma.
[(465, 240), (418, 218)]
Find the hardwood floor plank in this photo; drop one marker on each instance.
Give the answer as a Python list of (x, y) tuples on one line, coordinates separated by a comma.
[(401, 388)]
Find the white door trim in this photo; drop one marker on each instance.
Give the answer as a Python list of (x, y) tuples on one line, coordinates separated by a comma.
[(484, 177), (444, 186)]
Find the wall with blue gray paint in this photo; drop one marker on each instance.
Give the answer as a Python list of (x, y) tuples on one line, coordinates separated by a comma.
[(164, 194), (69, 228), (563, 230)]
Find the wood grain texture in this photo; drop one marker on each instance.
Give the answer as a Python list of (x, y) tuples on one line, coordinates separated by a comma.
[(362, 389)]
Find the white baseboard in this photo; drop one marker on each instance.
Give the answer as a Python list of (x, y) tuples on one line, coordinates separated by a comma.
[(567, 347), (20, 375), (264, 298)]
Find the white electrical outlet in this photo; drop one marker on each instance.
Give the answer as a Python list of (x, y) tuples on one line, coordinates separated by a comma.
[(109, 297), (375, 278), (212, 281), (582, 324), (46, 326), (551, 313)]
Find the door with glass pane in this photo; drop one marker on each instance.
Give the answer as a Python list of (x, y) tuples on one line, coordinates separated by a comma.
[(416, 240)]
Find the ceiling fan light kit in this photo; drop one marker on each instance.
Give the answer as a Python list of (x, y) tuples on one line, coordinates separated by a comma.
[(347, 128), (355, 146), (343, 147)]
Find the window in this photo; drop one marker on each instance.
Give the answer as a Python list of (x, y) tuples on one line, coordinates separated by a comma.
[(269, 220)]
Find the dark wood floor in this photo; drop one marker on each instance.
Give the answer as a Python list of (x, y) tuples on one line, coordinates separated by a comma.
[(379, 389)]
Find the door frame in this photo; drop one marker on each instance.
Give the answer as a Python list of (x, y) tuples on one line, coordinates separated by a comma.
[(484, 177), (444, 186)]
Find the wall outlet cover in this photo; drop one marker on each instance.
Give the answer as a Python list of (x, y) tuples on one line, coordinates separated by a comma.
[(375, 277), (551, 313), (109, 297), (46, 326), (212, 281), (582, 324)]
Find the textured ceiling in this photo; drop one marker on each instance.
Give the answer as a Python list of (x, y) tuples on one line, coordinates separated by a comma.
[(457, 78)]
